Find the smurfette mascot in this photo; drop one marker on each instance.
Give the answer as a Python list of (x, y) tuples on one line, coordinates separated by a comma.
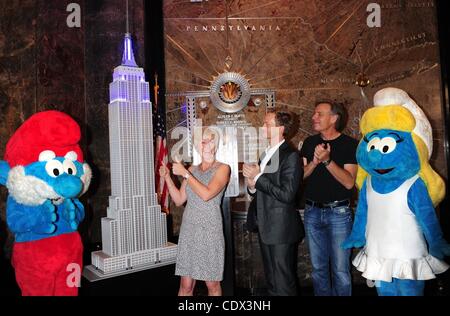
[(395, 220)]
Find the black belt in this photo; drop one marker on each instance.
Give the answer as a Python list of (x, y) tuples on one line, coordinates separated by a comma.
[(331, 204)]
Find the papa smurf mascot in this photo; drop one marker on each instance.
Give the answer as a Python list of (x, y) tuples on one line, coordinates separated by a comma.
[(395, 220), (44, 172)]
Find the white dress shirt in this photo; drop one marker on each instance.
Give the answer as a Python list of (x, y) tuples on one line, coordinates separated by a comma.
[(269, 153)]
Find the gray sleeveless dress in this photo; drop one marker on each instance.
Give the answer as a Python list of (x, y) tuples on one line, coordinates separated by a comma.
[(201, 244)]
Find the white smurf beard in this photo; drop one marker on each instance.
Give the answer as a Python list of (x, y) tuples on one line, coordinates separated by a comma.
[(28, 190), (86, 178), (32, 191)]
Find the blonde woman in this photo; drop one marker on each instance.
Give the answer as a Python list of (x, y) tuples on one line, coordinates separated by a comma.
[(201, 244)]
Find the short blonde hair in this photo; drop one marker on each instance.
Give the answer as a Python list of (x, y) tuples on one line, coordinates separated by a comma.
[(205, 131), (214, 131)]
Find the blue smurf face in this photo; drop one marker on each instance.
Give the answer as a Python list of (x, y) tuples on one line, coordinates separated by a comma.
[(60, 173), (388, 154)]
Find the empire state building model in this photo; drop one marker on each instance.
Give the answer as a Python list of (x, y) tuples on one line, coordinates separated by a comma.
[(134, 233)]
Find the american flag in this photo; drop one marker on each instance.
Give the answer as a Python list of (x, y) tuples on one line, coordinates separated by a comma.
[(161, 152)]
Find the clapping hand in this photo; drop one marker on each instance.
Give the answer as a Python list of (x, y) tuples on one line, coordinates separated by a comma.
[(45, 219), (322, 152), (316, 160), (73, 212), (178, 169), (251, 183), (250, 170)]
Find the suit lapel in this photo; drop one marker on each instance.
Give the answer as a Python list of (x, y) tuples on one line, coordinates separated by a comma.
[(277, 154)]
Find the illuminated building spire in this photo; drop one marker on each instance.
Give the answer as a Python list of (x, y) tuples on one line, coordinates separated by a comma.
[(128, 55)]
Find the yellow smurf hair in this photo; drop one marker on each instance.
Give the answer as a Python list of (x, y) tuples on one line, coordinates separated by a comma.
[(387, 117), (397, 117)]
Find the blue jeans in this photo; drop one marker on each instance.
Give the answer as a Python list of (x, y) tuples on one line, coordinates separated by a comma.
[(326, 229)]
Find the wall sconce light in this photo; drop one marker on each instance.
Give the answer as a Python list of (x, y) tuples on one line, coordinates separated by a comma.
[(204, 106), (362, 80)]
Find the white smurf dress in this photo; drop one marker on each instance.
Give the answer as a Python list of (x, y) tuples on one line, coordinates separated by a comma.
[(395, 245)]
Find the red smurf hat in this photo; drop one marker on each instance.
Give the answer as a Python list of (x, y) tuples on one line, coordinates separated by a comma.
[(47, 130)]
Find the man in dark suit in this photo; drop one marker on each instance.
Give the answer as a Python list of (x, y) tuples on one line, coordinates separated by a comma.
[(274, 183)]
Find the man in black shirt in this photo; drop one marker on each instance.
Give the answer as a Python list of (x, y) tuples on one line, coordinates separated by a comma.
[(330, 166)]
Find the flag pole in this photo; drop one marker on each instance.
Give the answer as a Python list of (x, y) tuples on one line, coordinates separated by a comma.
[(156, 90), (161, 157)]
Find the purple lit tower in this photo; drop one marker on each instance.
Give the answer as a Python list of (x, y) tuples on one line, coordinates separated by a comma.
[(134, 233)]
